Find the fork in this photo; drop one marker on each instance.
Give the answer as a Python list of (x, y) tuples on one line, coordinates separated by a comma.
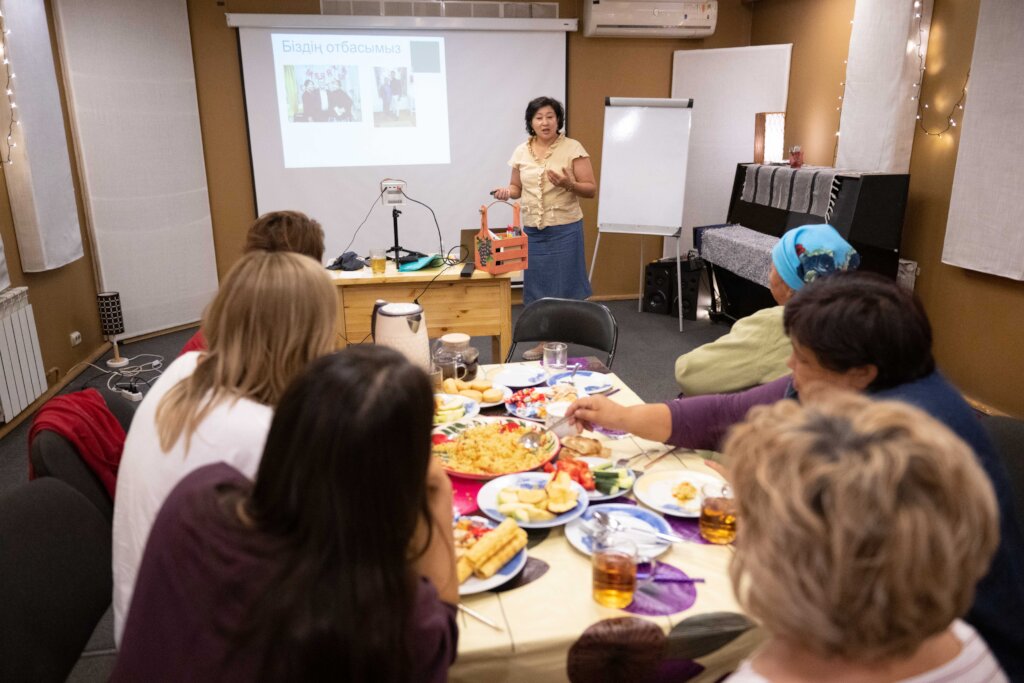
[(531, 439)]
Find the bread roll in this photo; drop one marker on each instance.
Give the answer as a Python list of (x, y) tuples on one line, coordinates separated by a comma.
[(450, 386), (489, 543), (481, 384), (500, 558), (475, 395), (493, 395), (462, 385)]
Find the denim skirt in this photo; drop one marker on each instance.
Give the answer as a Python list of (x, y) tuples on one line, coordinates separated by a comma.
[(558, 266)]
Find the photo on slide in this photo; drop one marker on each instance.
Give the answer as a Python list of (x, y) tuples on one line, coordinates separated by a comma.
[(396, 106), (322, 94)]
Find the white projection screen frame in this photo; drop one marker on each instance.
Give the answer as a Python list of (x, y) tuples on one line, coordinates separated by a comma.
[(489, 75)]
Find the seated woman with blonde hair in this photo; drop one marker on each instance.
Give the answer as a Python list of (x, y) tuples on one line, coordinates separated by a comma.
[(864, 529), (291, 231), (273, 314), (315, 572)]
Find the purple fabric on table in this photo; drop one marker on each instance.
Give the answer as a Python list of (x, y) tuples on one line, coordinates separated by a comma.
[(701, 422), (464, 493), (660, 598), (687, 529)]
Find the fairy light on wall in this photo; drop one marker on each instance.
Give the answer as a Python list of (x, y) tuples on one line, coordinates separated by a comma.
[(8, 144), (918, 46)]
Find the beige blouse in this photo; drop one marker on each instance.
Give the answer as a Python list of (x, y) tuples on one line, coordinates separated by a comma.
[(544, 204)]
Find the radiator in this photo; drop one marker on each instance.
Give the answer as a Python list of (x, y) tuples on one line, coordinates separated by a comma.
[(22, 379)]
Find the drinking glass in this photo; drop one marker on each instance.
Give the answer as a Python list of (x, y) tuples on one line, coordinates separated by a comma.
[(556, 354), (436, 377), (450, 364), (378, 261), (717, 513), (614, 559)]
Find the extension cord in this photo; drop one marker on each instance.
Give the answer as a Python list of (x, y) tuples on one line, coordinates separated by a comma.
[(135, 396)]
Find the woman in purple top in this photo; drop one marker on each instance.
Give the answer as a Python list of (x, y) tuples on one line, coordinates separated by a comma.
[(862, 332), (337, 563)]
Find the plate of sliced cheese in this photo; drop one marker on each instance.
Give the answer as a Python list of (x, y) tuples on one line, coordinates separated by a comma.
[(488, 554)]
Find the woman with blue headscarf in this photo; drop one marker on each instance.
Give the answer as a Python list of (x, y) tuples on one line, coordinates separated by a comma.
[(756, 349)]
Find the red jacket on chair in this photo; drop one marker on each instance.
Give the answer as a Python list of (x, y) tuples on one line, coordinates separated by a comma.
[(84, 419)]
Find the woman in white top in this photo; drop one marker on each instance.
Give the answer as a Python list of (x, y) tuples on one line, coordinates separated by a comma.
[(549, 173), (273, 314), (863, 528)]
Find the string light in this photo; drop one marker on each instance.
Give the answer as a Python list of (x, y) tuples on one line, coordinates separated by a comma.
[(950, 120), (6, 155), (839, 119)]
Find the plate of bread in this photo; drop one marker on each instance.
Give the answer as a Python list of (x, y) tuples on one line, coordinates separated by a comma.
[(487, 554), (483, 391)]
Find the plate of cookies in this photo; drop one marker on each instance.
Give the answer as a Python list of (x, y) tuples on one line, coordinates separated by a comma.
[(483, 391)]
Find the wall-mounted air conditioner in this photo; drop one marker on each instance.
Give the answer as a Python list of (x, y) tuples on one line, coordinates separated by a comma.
[(649, 18)]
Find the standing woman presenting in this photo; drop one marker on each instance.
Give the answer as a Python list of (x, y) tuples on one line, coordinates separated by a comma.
[(549, 173)]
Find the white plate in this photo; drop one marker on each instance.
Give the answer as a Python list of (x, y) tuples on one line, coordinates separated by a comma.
[(487, 498), (586, 382), (580, 532), (505, 393), (470, 406), (518, 376), (596, 495), (473, 585), (654, 490)]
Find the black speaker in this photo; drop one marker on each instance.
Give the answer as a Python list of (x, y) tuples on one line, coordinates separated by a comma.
[(660, 288)]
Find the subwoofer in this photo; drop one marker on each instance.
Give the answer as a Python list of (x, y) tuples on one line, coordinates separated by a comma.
[(660, 288)]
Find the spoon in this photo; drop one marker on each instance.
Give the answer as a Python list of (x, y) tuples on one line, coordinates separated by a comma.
[(612, 524), (531, 439)]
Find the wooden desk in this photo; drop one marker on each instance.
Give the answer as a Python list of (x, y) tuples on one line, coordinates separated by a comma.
[(480, 305)]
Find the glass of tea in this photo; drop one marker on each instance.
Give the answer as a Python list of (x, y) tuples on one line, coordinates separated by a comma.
[(614, 560), (378, 261), (717, 513)]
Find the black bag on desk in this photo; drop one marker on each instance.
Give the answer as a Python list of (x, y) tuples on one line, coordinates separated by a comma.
[(347, 261)]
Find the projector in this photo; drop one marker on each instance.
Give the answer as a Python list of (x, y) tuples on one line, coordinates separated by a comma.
[(392, 192)]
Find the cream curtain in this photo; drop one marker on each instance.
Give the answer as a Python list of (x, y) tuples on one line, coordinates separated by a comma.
[(132, 88), (984, 230), (5, 277), (878, 118), (39, 179)]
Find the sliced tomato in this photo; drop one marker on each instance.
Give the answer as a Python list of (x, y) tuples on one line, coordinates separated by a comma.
[(439, 438)]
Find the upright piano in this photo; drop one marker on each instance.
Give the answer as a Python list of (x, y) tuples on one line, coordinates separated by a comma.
[(767, 200)]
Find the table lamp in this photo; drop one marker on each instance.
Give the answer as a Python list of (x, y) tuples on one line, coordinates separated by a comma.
[(112, 323)]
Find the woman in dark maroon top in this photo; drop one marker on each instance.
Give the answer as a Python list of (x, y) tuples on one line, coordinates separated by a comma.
[(337, 563)]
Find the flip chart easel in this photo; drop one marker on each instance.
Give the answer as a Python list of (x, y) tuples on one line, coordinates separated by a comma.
[(643, 174)]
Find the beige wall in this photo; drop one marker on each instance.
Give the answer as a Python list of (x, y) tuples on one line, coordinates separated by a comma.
[(978, 320), (63, 300)]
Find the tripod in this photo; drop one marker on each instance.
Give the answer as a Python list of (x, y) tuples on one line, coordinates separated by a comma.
[(398, 249)]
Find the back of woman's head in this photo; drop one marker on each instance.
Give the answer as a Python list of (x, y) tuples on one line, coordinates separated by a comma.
[(286, 231), (854, 319), (273, 314), (864, 525), (342, 485)]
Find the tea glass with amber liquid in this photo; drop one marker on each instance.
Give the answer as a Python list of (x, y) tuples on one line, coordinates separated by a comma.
[(614, 561), (717, 514), (378, 261)]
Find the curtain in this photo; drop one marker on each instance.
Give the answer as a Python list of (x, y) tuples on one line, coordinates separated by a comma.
[(131, 83), (983, 229), (878, 117), (5, 277), (39, 179)]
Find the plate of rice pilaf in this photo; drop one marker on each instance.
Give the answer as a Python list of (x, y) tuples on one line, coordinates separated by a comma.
[(488, 447)]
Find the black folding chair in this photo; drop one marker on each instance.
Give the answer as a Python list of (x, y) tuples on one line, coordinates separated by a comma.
[(55, 579), (567, 320), (1007, 435)]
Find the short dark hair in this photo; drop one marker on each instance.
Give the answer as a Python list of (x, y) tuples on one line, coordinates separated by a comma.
[(286, 231), (853, 319), (539, 103)]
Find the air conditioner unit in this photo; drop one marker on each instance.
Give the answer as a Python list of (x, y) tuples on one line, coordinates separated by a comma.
[(649, 18)]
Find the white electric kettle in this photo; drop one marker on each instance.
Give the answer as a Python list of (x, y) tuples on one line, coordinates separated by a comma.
[(403, 327)]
